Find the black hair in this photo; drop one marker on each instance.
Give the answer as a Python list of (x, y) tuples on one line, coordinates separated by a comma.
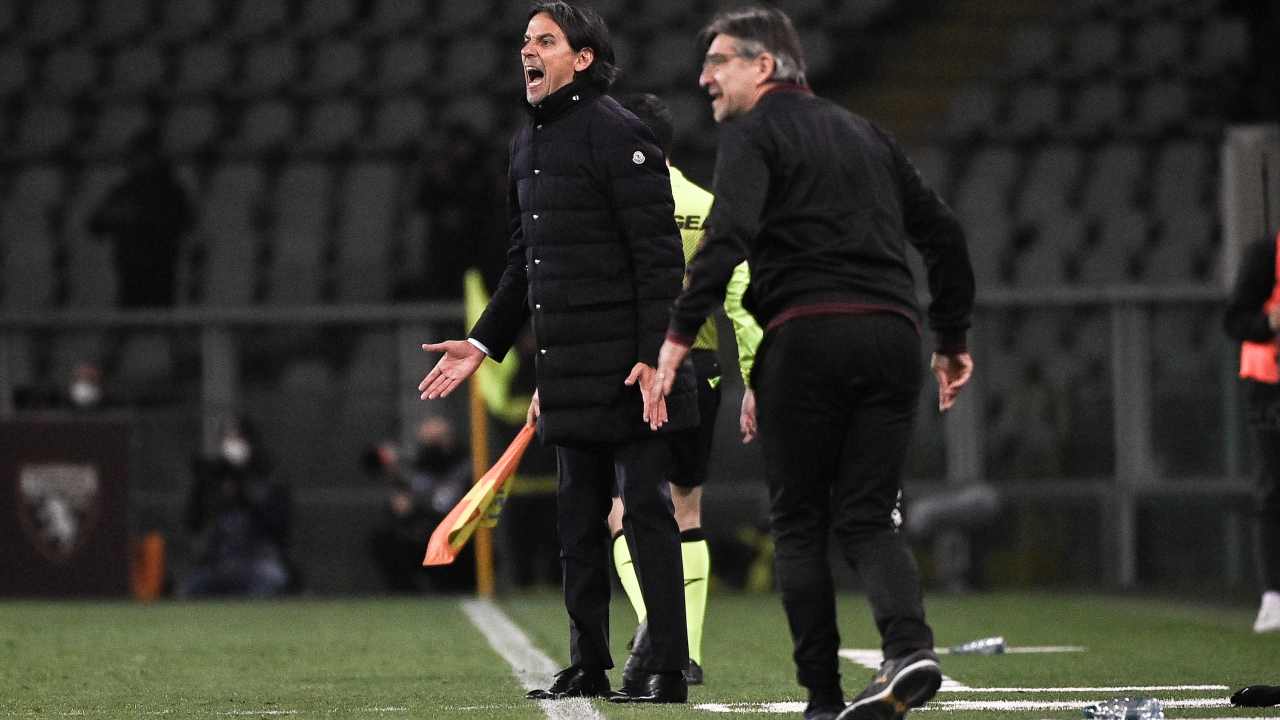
[(654, 113), (584, 28), (760, 29)]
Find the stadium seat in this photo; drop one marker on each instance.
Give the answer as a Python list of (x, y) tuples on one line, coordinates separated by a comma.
[(469, 63), (117, 125), (229, 231), (1162, 107), (393, 16), (336, 66), (1094, 49), (452, 18), (68, 72), (116, 21), (1117, 169), (137, 70), (1180, 175), (972, 113), (398, 123), (1052, 176), (1098, 110), (1034, 111), (14, 70), (269, 66), (331, 125), (303, 201), (50, 21), (204, 68), (1157, 47), (1044, 263), (182, 20), (254, 18), (321, 17), (403, 64), (90, 280), (191, 127), (266, 125), (1033, 50), (985, 186), (46, 129), (1223, 44), (365, 228), (474, 111)]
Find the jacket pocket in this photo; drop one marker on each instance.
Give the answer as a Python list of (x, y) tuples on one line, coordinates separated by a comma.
[(600, 293)]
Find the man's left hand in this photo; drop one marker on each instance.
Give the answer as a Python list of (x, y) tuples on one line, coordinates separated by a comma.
[(655, 402)]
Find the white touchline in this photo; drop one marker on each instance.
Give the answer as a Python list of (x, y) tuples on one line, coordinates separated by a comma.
[(958, 705), (531, 666)]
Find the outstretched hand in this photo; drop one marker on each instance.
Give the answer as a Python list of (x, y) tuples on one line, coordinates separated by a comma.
[(655, 403), (460, 360), (952, 372)]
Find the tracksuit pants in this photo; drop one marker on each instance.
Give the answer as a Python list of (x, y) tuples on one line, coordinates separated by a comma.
[(836, 400)]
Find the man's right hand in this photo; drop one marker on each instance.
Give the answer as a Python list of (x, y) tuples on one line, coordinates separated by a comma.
[(461, 358), (952, 372)]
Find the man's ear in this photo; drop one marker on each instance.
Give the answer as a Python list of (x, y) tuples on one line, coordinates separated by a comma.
[(765, 64), (584, 59)]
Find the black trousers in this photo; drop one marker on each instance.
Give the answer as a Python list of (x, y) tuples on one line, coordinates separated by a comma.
[(639, 470), (836, 401)]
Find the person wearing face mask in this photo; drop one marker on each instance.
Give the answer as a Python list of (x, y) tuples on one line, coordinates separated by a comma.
[(240, 519), (595, 260)]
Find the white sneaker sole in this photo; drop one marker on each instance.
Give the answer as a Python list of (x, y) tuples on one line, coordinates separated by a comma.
[(913, 686)]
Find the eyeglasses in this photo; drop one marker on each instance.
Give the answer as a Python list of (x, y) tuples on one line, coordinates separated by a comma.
[(715, 60)]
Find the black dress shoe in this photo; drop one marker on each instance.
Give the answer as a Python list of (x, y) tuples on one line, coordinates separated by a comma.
[(666, 687), (574, 681)]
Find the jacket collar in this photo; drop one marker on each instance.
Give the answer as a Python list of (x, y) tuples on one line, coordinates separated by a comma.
[(562, 101)]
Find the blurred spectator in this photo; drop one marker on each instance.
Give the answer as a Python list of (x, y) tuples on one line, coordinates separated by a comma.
[(461, 195), (145, 217), (240, 518), (418, 498), (1252, 319)]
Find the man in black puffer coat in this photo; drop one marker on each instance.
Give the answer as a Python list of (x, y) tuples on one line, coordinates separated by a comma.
[(595, 261)]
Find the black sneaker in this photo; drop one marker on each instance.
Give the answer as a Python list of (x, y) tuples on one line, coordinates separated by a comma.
[(902, 684), (693, 673), (1257, 696)]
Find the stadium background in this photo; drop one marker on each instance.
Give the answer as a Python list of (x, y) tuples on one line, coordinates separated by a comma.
[(1082, 143)]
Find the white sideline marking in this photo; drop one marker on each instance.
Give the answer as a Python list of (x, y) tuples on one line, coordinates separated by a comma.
[(958, 705), (531, 666)]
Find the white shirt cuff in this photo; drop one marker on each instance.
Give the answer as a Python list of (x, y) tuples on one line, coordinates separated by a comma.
[(480, 346)]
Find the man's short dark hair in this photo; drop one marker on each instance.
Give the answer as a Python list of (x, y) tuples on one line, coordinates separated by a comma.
[(760, 29), (583, 28), (654, 113)]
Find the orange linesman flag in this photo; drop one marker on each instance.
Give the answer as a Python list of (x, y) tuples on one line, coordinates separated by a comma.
[(478, 507)]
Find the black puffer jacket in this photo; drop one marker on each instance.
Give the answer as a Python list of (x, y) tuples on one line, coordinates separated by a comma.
[(596, 259)]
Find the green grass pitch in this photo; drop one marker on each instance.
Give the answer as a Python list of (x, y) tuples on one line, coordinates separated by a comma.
[(422, 658)]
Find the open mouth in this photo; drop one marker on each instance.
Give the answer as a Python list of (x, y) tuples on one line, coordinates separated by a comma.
[(533, 77)]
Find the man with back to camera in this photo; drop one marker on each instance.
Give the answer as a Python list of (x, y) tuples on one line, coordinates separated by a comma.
[(595, 261), (690, 448), (822, 203)]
